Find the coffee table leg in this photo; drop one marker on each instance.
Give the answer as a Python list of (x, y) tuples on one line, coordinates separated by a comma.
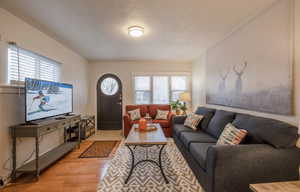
[(132, 164), (160, 165)]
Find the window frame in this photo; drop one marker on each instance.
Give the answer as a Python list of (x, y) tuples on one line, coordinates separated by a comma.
[(39, 59), (169, 75)]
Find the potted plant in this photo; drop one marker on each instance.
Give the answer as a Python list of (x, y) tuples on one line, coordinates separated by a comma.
[(183, 107), (176, 106)]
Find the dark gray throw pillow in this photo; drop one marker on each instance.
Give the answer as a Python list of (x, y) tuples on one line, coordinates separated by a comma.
[(218, 122), (207, 114), (205, 121)]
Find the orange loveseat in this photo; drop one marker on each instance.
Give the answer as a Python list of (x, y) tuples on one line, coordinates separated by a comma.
[(152, 110)]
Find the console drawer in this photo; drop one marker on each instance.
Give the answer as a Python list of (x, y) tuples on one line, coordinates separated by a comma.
[(47, 129), (65, 124)]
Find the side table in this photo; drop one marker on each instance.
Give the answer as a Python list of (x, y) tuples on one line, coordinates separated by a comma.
[(291, 186), (87, 126)]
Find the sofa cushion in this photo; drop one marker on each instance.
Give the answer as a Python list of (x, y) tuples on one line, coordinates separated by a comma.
[(178, 119), (199, 152), (196, 137), (153, 109), (163, 123), (207, 113), (192, 121), (218, 122), (143, 109), (264, 130), (178, 128), (231, 135)]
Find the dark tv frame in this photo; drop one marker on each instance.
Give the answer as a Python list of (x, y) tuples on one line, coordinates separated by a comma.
[(25, 93)]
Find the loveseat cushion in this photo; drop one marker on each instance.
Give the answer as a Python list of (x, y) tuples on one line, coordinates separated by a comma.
[(153, 109), (163, 123), (264, 130), (207, 114), (199, 152), (135, 114), (196, 137), (143, 109), (134, 122), (178, 128), (218, 122)]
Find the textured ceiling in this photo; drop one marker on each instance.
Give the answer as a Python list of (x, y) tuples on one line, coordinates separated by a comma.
[(174, 29)]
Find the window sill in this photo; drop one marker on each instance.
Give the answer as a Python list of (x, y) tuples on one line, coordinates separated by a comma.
[(11, 89)]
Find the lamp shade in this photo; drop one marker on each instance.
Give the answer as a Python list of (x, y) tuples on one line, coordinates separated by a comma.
[(185, 97)]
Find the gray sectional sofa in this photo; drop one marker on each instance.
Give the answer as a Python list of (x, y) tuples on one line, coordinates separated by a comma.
[(267, 154)]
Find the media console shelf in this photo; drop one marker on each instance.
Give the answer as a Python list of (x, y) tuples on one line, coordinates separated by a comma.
[(37, 130)]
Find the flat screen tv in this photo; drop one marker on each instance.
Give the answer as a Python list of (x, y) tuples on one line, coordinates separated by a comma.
[(47, 99)]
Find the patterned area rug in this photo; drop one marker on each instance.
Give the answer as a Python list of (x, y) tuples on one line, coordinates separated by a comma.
[(146, 176), (99, 149)]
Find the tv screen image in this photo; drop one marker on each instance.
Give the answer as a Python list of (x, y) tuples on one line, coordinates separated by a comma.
[(46, 99)]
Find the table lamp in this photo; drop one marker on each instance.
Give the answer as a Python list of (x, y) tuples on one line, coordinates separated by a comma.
[(185, 97)]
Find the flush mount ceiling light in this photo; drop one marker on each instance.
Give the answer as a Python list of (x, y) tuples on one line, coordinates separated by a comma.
[(135, 31)]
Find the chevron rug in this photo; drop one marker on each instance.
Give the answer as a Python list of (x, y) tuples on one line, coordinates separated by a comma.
[(146, 176)]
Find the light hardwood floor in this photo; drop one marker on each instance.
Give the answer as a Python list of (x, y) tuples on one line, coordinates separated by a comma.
[(70, 174)]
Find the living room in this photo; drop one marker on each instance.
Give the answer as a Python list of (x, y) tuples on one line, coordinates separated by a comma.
[(232, 65)]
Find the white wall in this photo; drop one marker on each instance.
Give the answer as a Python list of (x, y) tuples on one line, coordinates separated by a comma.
[(74, 71), (198, 81), (199, 66), (124, 70)]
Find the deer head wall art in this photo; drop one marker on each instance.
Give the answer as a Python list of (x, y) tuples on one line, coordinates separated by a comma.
[(239, 73)]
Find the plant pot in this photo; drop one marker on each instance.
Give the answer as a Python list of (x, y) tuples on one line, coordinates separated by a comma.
[(178, 111)]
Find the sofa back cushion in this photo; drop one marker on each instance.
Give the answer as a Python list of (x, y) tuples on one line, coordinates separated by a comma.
[(264, 130), (153, 109), (143, 109), (218, 122), (207, 114)]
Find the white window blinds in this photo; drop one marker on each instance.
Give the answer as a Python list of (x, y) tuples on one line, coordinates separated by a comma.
[(23, 63), (142, 85), (159, 89)]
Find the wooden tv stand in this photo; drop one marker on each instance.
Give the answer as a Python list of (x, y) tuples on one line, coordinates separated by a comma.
[(38, 129)]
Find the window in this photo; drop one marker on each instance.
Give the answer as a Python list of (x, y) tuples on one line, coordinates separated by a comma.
[(178, 86), (142, 90), (23, 63), (160, 89)]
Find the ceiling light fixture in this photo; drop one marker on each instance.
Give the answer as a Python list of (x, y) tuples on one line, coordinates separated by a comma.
[(135, 31)]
